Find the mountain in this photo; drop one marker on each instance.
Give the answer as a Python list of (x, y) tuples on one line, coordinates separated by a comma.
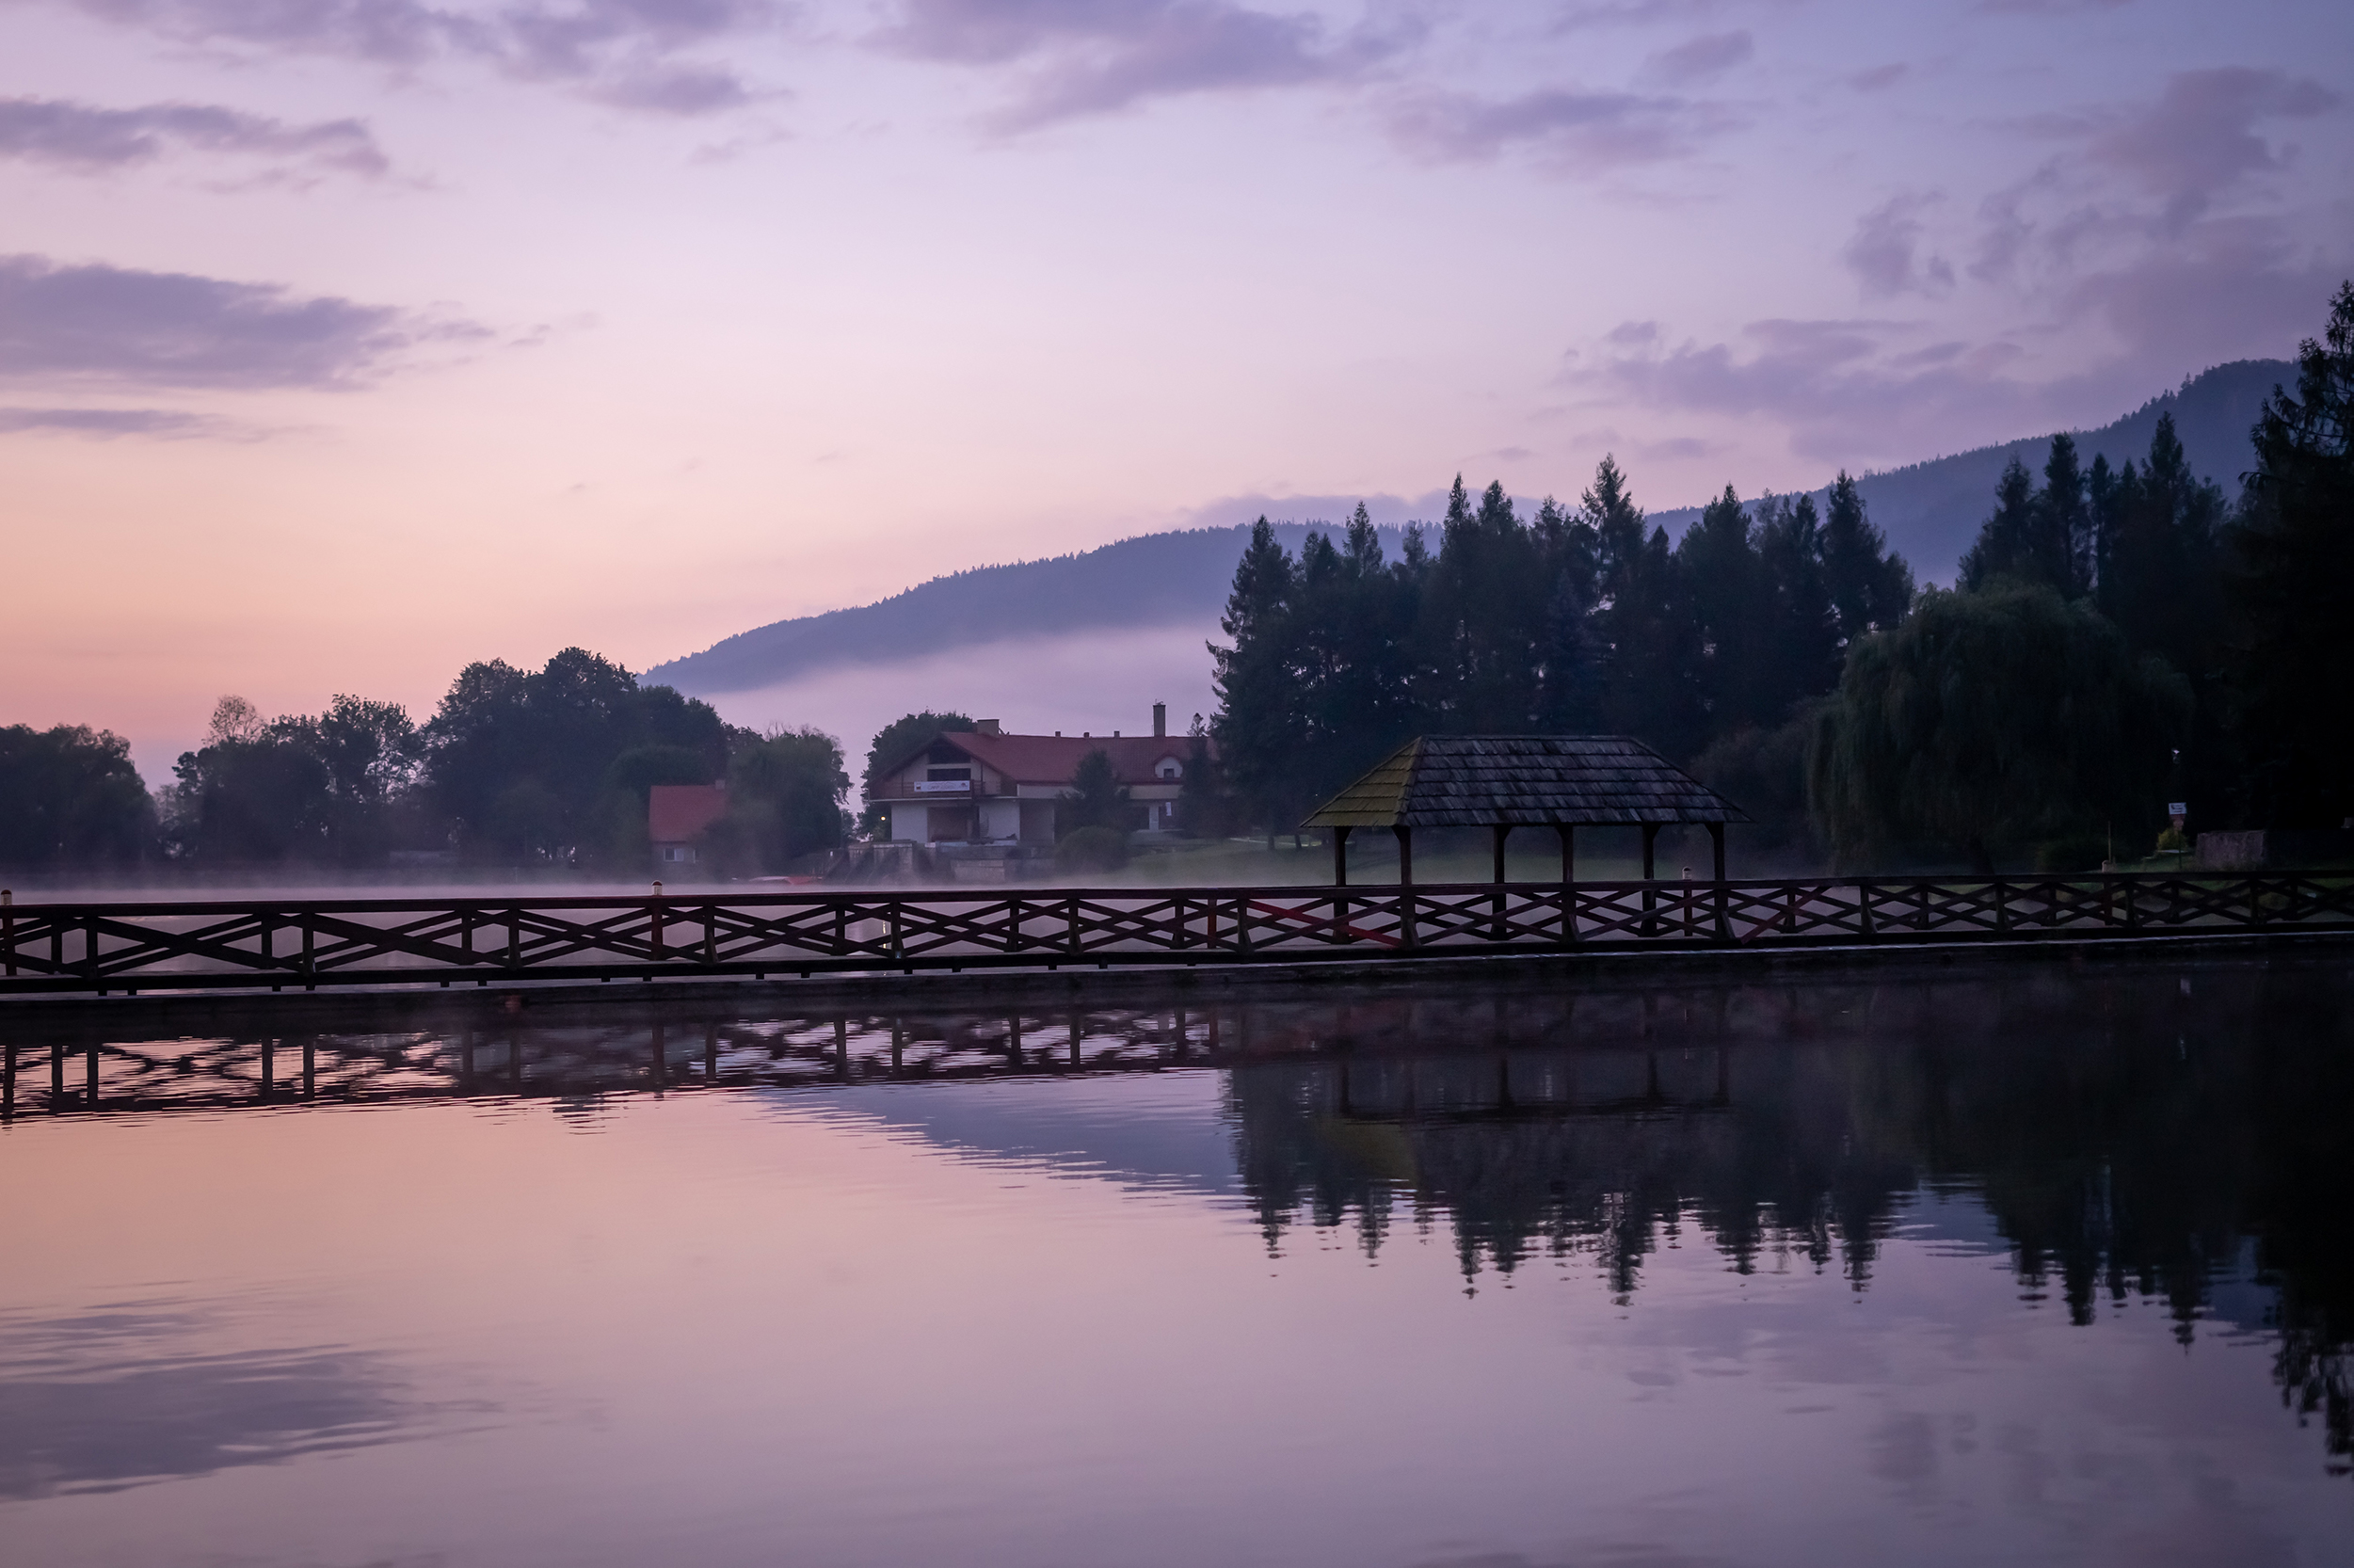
[(1930, 511)]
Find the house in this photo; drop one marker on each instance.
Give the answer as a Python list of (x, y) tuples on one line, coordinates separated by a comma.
[(984, 786), (676, 816)]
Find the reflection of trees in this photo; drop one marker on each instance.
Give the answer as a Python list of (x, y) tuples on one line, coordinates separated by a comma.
[(2130, 1134)]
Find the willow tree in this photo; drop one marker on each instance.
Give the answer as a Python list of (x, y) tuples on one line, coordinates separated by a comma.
[(1993, 722)]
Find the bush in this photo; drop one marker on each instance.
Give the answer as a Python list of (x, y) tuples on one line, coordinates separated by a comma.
[(1092, 849)]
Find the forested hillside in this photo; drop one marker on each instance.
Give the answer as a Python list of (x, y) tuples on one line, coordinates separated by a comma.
[(1929, 512)]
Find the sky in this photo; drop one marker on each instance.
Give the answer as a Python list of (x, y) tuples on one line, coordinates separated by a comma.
[(344, 342)]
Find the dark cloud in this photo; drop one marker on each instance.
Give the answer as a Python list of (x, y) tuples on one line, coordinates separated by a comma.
[(1575, 132), (94, 323), (103, 422), (621, 52), (1872, 390), (2200, 137), (1884, 255), (1702, 57), (2048, 8), (1630, 13), (1878, 77), (86, 140), (1847, 390), (1079, 57)]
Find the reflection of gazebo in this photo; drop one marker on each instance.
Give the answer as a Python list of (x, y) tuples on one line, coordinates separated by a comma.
[(1501, 782)]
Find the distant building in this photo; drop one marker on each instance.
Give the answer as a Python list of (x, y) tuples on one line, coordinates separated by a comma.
[(984, 786), (676, 816)]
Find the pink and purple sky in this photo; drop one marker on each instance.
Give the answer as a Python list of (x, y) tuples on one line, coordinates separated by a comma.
[(345, 341)]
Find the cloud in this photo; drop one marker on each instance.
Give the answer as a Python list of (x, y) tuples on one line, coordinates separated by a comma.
[(85, 139), (1575, 132), (1845, 389), (1630, 13), (620, 52), (103, 422), (1884, 253), (1872, 389), (99, 324), (1080, 58), (1706, 55), (1878, 77), (2199, 139)]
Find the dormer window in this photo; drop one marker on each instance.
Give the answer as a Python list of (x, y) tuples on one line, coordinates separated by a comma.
[(1168, 767)]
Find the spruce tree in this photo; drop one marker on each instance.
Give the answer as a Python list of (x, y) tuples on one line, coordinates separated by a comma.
[(1259, 727), (1871, 589), (2293, 548), (2006, 542)]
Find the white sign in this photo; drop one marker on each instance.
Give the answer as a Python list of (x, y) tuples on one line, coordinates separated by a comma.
[(2179, 809), (944, 786)]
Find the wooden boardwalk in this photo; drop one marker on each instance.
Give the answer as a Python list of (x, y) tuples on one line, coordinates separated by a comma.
[(305, 944)]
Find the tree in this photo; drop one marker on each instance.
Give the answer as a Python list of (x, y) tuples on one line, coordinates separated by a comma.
[(785, 794), (1096, 797), (2292, 659), (1990, 721), (1261, 728), (1800, 656), (2006, 545), (69, 796), (517, 762), (1870, 588), (1731, 601)]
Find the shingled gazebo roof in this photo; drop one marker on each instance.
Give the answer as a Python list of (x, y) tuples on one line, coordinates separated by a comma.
[(1524, 781)]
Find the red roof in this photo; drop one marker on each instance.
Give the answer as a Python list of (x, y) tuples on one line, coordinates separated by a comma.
[(1053, 759), (676, 812)]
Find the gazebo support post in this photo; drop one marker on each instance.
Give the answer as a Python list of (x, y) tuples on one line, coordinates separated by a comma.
[(1716, 835), (1406, 883), (1569, 880), (1501, 830), (1341, 931), (1650, 872)]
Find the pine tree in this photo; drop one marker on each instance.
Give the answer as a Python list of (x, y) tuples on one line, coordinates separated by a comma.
[(2293, 545), (1259, 727), (1871, 589), (1729, 598), (2064, 531), (1801, 654)]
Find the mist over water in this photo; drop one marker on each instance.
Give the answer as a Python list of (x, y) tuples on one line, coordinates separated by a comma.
[(1952, 1264)]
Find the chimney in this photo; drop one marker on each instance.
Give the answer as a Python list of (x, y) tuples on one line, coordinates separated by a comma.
[(1160, 721), (988, 726)]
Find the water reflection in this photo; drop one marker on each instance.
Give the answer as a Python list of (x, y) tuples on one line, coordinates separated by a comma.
[(138, 1392), (2102, 1147)]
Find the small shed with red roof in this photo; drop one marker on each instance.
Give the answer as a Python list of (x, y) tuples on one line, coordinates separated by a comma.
[(984, 786), (676, 816)]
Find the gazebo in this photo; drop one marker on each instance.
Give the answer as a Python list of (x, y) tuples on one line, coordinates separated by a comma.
[(1501, 782)]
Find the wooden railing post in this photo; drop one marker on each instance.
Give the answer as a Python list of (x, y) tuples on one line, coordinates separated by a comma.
[(309, 953), (515, 938)]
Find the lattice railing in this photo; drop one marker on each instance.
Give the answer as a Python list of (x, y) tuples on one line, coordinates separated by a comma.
[(277, 944)]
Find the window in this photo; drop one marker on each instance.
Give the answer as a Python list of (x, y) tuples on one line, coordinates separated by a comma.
[(945, 775), (1168, 767)]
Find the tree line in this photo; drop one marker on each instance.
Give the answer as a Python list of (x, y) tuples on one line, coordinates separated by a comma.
[(515, 768), (1580, 619), (2118, 640)]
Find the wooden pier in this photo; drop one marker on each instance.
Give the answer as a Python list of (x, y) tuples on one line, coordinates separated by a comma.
[(276, 945)]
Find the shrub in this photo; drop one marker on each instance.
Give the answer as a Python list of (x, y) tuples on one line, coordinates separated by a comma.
[(1092, 849)]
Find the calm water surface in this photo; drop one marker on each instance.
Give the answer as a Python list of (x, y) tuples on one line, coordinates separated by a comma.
[(1954, 1267)]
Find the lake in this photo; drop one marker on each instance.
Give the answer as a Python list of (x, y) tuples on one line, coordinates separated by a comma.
[(1941, 1264)]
